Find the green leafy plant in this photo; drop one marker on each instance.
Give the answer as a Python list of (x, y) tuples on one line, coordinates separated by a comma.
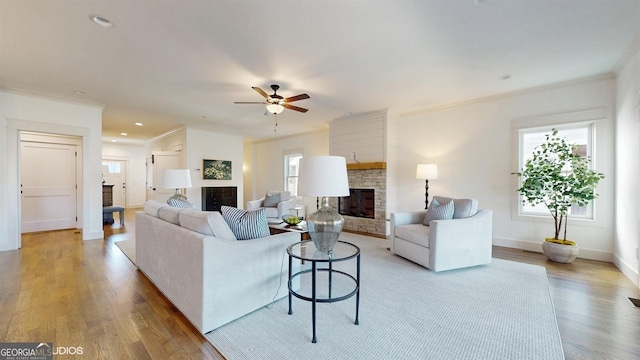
[(558, 177)]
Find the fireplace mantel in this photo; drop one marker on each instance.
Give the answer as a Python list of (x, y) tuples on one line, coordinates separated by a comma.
[(367, 166)]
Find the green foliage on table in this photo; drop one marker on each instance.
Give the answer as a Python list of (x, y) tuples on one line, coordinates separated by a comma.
[(558, 178)]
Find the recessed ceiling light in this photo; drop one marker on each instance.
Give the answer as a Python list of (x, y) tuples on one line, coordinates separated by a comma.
[(105, 23), (138, 124), (123, 134), (114, 140), (481, 2), (202, 117), (78, 92), (505, 77)]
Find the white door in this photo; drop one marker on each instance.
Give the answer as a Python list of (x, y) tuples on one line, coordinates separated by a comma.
[(115, 174), (160, 161), (48, 186)]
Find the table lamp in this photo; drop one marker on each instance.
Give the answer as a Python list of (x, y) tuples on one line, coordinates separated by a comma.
[(324, 176), (177, 179)]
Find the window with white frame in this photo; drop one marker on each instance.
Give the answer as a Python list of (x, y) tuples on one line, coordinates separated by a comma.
[(580, 135), (291, 167)]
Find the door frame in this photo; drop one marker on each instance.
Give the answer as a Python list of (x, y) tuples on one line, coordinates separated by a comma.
[(126, 174), (89, 215)]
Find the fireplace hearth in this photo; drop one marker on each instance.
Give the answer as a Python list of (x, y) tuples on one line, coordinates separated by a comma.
[(359, 203)]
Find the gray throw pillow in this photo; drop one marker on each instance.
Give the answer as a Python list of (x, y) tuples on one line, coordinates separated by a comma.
[(438, 212), (245, 224), (271, 200)]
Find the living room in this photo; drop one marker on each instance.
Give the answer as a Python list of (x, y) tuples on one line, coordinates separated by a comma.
[(473, 141)]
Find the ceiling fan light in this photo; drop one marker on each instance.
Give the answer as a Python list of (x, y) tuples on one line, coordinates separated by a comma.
[(275, 108)]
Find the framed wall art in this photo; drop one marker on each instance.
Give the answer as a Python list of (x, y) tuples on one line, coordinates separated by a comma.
[(216, 170)]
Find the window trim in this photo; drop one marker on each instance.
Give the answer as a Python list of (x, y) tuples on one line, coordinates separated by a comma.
[(590, 117), (286, 157)]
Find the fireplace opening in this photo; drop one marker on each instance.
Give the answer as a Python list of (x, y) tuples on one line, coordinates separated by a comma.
[(359, 203)]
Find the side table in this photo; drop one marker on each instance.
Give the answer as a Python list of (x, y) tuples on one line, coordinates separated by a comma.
[(306, 251)]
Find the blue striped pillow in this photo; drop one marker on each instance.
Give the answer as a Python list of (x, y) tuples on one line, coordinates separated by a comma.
[(244, 224), (177, 203), (439, 212)]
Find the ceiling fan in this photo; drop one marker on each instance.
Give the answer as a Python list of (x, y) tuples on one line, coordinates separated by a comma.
[(276, 103)]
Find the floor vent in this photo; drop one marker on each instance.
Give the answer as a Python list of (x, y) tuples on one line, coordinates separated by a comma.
[(635, 302)]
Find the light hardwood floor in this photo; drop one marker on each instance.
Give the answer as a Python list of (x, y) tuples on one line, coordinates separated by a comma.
[(60, 289)]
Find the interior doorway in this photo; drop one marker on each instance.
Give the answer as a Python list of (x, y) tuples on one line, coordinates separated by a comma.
[(49, 174), (114, 172)]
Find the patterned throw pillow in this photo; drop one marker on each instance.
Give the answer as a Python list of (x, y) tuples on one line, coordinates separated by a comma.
[(271, 200), (183, 204), (439, 212), (244, 224)]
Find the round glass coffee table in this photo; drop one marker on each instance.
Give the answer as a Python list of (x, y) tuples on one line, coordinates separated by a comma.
[(324, 289)]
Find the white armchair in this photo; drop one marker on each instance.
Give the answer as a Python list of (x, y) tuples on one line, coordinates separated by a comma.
[(277, 203), (444, 244)]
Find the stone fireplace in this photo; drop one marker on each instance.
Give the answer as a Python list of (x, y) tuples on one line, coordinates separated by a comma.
[(366, 176)]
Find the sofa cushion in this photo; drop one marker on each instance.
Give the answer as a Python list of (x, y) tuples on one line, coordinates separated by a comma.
[(246, 224), (151, 207), (206, 223), (414, 233), (271, 200), (179, 203), (439, 211), (463, 208), (170, 214)]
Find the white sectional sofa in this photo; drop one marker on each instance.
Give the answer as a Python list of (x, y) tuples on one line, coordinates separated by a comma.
[(193, 259)]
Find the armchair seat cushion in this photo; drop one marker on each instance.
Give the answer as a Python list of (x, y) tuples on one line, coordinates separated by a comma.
[(272, 212), (414, 233)]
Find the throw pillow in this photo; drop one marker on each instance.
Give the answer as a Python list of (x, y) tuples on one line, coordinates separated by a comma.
[(183, 204), (438, 212), (463, 208), (245, 224), (271, 200)]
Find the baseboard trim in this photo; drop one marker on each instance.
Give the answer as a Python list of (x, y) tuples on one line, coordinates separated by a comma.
[(537, 247), (627, 270)]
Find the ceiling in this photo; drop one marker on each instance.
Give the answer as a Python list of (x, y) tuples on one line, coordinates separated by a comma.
[(168, 64)]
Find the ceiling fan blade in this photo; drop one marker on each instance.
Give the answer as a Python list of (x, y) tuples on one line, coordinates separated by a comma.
[(249, 102), (296, 98), (291, 107), (260, 91)]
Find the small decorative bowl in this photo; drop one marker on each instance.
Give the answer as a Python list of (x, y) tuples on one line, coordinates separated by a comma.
[(291, 219)]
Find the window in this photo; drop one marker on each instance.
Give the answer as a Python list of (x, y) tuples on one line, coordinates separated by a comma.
[(291, 167), (580, 135)]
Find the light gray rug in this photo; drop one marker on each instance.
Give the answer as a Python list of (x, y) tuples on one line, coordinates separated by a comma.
[(497, 311), (128, 247)]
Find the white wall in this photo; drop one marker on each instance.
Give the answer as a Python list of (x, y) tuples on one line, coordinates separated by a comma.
[(264, 162), (30, 113), (472, 145), (134, 155), (627, 230), (208, 145)]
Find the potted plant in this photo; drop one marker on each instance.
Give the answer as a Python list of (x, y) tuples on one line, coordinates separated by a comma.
[(558, 177)]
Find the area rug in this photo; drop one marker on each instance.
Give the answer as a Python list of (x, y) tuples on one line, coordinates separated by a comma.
[(498, 311), (128, 247)]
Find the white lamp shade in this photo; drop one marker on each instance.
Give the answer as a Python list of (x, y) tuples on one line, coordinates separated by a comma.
[(427, 171), (323, 176), (176, 179)]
